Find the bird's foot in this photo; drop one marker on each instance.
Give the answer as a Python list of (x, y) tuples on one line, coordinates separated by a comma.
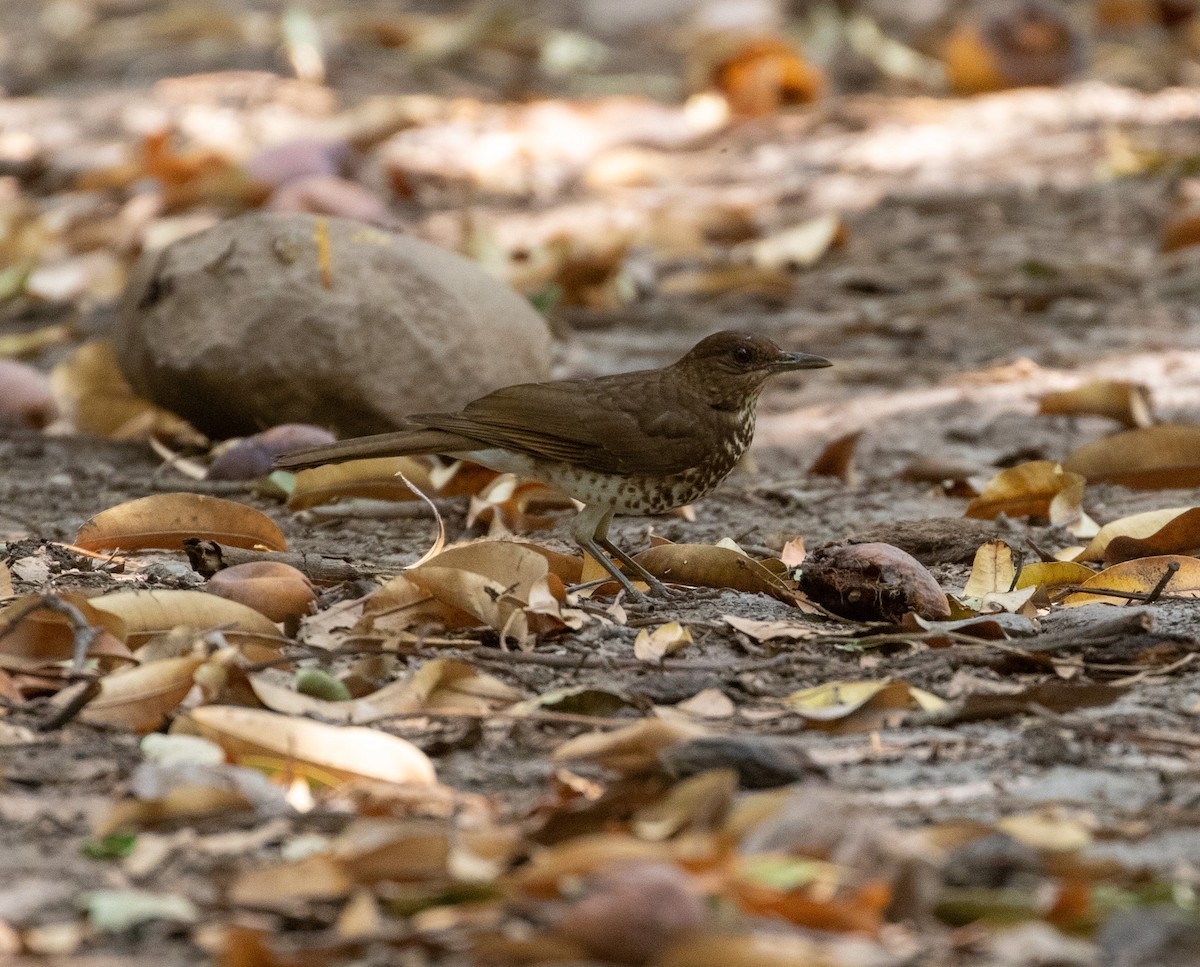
[(631, 592)]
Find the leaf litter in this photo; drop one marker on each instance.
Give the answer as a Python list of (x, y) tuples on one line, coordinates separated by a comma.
[(463, 749)]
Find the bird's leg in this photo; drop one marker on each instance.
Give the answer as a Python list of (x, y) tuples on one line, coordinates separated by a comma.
[(639, 572), (590, 528)]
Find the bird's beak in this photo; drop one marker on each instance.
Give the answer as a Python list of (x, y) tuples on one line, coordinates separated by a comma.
[(789, 361)]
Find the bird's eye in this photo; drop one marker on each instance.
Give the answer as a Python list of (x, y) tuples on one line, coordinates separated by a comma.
[(743, 355)]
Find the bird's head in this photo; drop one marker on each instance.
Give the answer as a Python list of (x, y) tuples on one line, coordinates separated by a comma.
[(731, 368)]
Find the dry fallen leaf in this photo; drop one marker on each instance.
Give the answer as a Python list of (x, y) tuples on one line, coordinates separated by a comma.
[(837, 459), (629, 750), (1037, 488), (167, 520), (550, 870), (818, 903), (402, 604), (1137, 526), (1141, 577), (1125, 402), (1173, 530), (1052, 574), (32, 635), (443, 684), (345, 751), (514, 504), (793, 553), (317, 877), (493, 581), (993, 571), (710, 566), (699, 803), (666, 639), (377, 479), (1019, 46), (1055, 696), (716, 280), (147, 613), (796, 247), (712, 948), (95, 397), (1047, 830), (847, 707), (772, 630), (1182, 228), (140, 698), (1149, 458)]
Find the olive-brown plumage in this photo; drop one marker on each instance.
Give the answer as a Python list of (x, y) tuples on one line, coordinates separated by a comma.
[(641, 442)]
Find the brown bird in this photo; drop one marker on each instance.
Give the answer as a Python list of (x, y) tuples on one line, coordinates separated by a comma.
[(633, 443)]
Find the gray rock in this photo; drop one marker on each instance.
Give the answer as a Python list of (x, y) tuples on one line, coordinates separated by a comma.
[(234, 330)]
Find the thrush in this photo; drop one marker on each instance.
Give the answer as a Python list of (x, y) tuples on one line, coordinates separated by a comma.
[(633, 443)]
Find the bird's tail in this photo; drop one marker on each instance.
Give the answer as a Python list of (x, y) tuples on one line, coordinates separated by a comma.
[(402, 443)]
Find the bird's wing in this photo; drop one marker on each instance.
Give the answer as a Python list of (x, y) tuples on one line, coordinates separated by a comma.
[(609, 425)]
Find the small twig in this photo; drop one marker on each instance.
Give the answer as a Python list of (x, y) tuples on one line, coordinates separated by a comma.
[(558, 718), (109, 558), (76, 705), (1164, 670), (83, 633), (1140, 597), (1157, 590), (208, 557), (364, 509), (1018, 563), (1044, 556)]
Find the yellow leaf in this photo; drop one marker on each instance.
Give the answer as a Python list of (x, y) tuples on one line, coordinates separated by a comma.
[(1052, 574), (993, 571), (1170, 531), (662, 641), (441, 684), (709, 566), (846, 707), (1140, 576), (1046, 830), (835, 699)]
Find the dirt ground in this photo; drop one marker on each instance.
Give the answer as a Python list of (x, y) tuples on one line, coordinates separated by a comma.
[(994, 251)]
